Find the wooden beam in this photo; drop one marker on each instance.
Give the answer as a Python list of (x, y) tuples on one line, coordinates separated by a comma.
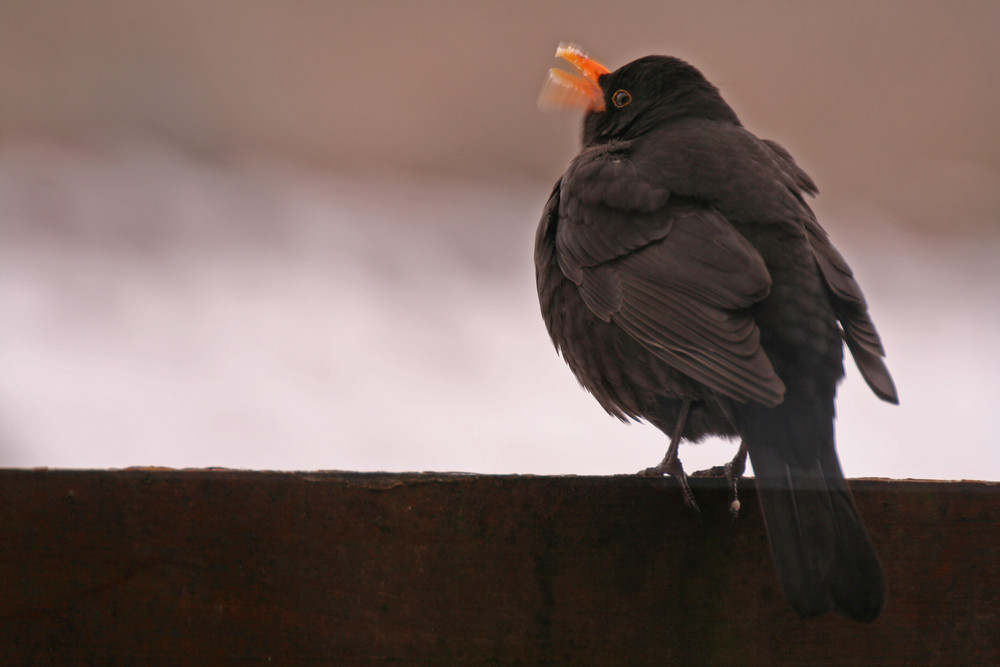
[(205, 566)]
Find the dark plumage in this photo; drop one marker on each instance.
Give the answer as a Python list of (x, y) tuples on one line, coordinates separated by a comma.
[(686, 282)]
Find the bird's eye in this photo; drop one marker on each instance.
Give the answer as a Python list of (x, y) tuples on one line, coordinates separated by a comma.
[(621, 98)]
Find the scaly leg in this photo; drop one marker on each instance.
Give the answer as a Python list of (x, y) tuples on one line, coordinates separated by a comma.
[(671, 463), (735, 470)]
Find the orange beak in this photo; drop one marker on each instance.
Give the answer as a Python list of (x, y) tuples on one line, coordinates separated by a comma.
[(564, 90)]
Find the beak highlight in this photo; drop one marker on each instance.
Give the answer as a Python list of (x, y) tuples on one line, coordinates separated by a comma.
[(564, 90)]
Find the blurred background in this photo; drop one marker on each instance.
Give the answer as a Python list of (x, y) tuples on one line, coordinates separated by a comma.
[(298, 235)]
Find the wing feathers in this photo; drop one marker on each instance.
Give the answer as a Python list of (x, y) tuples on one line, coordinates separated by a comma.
[(852, 311), (676, 276), (686, 297)]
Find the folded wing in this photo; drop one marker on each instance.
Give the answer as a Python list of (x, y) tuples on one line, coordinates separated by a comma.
[(681, 281)]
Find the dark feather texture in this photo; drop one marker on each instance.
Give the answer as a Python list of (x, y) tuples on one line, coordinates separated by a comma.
[(678, 264)]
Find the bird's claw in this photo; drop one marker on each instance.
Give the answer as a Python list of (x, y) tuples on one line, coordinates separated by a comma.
[(675, 470), (689, 497), (733, 477), (732, 473)]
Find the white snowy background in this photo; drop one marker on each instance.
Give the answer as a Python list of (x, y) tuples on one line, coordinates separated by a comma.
[(275, 236)]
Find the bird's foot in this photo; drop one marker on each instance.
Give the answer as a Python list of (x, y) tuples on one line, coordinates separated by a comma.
[(673, 467), (733, 475), (734, 471), (671, 463), (729, 471)]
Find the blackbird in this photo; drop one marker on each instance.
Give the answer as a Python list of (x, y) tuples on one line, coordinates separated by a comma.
[(685, 281)]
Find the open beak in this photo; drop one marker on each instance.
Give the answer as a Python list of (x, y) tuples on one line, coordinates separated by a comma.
[(565, 90)]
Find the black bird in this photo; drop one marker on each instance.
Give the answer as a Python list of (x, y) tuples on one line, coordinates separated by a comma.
[(686, 281)]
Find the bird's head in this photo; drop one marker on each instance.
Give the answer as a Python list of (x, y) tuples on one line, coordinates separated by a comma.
[(637, 97)]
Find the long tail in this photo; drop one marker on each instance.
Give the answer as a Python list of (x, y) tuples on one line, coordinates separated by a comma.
[(821, 551)]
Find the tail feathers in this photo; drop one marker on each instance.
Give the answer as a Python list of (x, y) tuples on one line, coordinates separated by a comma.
[(824, 559), (822, 553), (873, 368)]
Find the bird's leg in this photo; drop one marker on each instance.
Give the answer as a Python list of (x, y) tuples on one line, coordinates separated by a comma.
[(671, 463), (734, 471)]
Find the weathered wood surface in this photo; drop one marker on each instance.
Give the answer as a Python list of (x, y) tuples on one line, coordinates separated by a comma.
[(210, 566)]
